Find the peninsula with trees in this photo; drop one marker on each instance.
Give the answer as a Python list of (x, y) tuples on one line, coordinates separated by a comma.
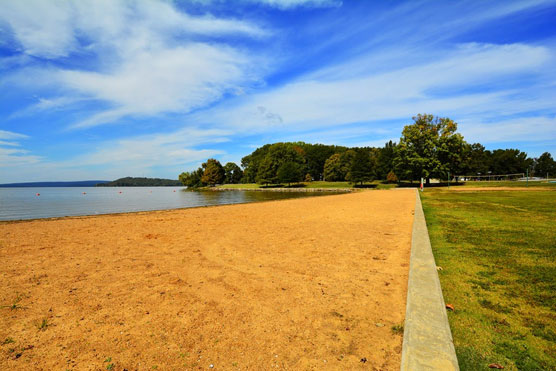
[(141, 182)]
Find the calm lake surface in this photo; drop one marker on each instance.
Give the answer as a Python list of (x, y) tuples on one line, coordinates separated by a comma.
[(23, 203)]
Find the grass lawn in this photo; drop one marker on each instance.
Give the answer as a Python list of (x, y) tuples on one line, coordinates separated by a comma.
[(498, 254), (509, 184)]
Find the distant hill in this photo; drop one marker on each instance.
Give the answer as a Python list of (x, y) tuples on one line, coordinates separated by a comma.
[(81, 183), (141, 182)]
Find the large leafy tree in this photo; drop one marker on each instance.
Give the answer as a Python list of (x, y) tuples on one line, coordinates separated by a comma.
[(333, 170), (214, 172), (479, 160), (509, 161), (233, 173), (385, 163), (192, 179), (252, 162), (316, 156), (544, 165), (430, 147), (289, 172), (346, 160), (267, 172), (277, 155), (361, 169)]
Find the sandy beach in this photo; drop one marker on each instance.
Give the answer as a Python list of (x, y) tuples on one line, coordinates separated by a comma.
[(303, 284)]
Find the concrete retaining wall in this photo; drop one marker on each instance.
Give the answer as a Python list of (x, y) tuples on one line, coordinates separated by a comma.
[(427, 339)]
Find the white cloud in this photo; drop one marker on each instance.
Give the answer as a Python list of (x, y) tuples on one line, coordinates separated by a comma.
[(6, 143), (284, 4), (147, 56), (524, 129), (4, 134), (166, 80), (148, 150), (51, 29), (290, 4), (445, 85), (42, 28), (143, 155), (14, 156)]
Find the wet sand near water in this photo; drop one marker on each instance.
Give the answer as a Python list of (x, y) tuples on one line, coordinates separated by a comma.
[(312, 283)]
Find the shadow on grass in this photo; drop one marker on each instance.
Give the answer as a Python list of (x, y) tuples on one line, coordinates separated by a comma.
[(432, 185), (296, 185), (365, 186)]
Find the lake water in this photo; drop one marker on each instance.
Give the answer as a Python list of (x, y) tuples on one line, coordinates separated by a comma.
[(24, 203)]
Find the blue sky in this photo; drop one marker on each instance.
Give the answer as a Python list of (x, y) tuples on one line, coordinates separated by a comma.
[(101, 89)]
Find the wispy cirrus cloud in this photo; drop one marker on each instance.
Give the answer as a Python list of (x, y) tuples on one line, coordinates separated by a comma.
[(5, 134), (54, 29), (137, 155), (283, 4), (11, 154), (149, 57), (443, 85), (167, 80)]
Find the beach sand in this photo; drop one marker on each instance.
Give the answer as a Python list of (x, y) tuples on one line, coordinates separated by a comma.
[(312, 283)]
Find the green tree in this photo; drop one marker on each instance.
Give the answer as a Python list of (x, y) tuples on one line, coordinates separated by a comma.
[(233, 173), (213, 172), (252, 162), (361, 169), (192, 179), (277, 155), (267, 172), (333, 170), (479, 160), (430, 147), (385, 162), (315, 158), (544, 165), (289, 172), (391, 177), (509, 161), (346, 159)]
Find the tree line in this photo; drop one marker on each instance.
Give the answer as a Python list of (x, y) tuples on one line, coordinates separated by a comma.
[(140, 182), (430, 147)]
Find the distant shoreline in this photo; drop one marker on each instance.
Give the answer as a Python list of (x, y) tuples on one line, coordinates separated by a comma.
[(79, 183)]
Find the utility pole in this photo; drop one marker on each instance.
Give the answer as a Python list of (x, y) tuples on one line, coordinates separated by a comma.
[(527, 181)]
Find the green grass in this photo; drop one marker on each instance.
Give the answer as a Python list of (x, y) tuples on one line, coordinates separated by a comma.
[(15, 304), (498, 254), (239, 186), (397, 329), (510, 184), (43, 325)]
